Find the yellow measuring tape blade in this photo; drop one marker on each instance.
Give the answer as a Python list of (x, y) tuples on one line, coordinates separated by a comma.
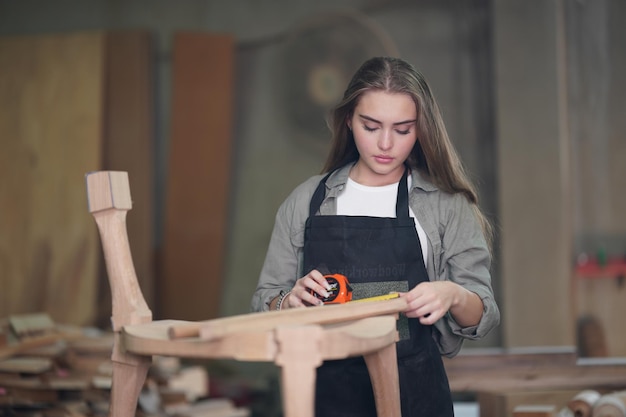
[(389, 296)]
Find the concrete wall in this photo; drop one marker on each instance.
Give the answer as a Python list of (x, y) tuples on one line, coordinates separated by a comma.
[(559, 139), (596, 82), (533, 174)]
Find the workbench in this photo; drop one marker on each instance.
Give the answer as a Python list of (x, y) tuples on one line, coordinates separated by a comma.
[(500, 379)]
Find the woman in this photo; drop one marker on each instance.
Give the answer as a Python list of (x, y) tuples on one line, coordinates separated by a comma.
[(393, 212)]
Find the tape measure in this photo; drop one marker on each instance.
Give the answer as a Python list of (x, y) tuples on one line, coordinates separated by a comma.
[(340, 290), (383, 297)]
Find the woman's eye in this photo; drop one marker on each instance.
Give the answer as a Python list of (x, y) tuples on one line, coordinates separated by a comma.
[(369, 128), (404, 132)]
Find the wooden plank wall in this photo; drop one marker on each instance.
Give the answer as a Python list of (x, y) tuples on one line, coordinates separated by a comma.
[(70, 104), (50, 136), (196, 209)]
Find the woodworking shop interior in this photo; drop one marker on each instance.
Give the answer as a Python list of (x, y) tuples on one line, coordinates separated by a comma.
[(216, 109)]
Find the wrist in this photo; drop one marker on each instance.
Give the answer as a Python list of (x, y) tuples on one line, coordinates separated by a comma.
[(460, 295), (282, 296)]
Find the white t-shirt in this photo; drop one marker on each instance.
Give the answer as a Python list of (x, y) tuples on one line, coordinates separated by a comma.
[(362, 200)]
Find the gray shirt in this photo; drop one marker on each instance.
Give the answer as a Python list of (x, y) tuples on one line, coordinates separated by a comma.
[(457, 250)]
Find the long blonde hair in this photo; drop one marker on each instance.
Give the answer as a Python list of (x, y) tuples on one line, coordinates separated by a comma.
[(433, 154)]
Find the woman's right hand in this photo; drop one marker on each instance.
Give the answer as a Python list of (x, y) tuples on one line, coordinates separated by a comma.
[(300, 296)]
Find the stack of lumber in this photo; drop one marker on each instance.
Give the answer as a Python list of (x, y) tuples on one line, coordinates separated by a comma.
[(51, 370)]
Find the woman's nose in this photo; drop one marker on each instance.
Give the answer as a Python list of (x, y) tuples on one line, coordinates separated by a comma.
[(384, 142)]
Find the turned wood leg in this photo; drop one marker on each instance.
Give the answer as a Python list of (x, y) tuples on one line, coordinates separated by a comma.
[(299, 356), (383, 369), (109, 200), (129, 375)]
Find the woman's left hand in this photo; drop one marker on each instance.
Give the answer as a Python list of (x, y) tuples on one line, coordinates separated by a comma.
[(430, 301)]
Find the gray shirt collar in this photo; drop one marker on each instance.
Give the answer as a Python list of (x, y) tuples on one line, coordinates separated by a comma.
[(338, 179)]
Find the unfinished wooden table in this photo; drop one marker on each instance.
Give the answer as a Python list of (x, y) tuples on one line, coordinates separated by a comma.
[(296, 340)]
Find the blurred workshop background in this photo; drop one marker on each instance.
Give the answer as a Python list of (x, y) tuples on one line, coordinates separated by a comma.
[(216, 109)]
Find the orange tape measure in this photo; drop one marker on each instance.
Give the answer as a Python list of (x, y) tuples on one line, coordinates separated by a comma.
[(340, 291)]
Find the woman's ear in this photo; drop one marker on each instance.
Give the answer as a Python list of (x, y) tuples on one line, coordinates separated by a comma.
[(349, 123)]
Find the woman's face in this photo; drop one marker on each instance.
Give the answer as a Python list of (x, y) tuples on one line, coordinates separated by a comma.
[(384, 126)]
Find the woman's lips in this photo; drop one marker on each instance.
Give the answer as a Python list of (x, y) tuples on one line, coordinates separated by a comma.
[(383, 159)]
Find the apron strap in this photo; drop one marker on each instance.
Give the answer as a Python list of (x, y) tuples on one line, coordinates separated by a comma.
[(318, 196), (402, 199)]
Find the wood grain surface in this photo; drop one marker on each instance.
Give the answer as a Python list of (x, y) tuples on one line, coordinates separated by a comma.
[(50, 135)]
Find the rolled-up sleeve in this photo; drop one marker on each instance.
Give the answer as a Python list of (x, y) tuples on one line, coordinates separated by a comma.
[(465, 260)]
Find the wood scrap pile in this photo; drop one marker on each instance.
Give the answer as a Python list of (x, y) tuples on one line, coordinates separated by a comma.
[(586, 403), (592, 403), (51, 370)]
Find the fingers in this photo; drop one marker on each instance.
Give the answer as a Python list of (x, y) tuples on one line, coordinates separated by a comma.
[(301, 296), (430, 318), (319, 283), (425, 314), (426, 302)]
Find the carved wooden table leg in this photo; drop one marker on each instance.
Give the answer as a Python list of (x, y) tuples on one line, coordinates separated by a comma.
[(299, 357), (385, 380), (129, 375)]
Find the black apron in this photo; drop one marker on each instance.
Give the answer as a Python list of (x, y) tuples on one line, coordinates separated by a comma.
[(377, 255)]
